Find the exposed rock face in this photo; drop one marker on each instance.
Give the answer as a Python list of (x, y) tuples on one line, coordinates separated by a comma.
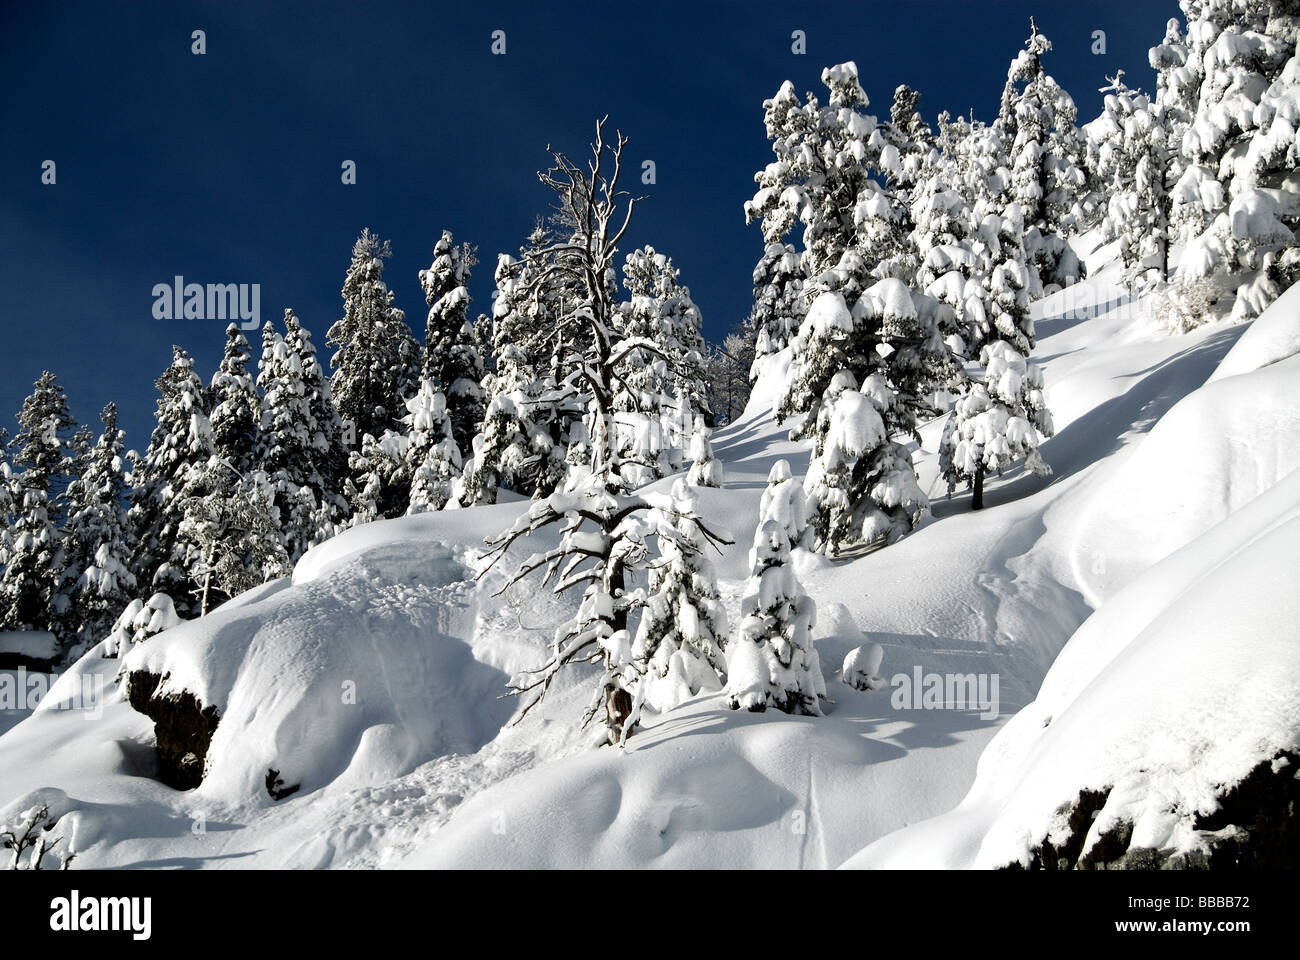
[(1255, 827), (183, 729)]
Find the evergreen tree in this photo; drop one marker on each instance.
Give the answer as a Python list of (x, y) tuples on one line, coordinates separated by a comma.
[(302, 449), (1000, 417), (706, 470), (376, 366), (1230, 203), (451, 357), (432, 457), (325, 450), (773, 660), (783, 500), (1038, 119), (779, 305), (233, 525), (380, 485), (660, 393), (34, 573), (96, 535), (236, 409), (683, 625), (827, 159), (512, 449), (855, 398), (181, 442), (1133, 155)]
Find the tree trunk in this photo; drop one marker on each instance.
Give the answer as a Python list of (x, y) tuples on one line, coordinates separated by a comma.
[(977, 496)]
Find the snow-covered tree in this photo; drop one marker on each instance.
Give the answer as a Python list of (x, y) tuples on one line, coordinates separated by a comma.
[(1133, 158), (997, 421), (376, 366), (947, 249), (1234, 203), (96, 535), (1047, 178), (34, 574), (517, 446), (451, 356), (779, 304), (236, 408), (861, 378), (180, 443), (233, 524), (824, 176), (432, 457), (706, 470), (772, 662), (604, 528), (783, 500), (301, 449), (660, 394), (683, 626)]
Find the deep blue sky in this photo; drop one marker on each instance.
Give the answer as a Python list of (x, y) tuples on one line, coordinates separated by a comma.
[(226, 167)]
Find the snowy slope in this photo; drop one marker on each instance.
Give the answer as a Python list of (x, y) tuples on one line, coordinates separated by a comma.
[(421, 769), (1187, 677)]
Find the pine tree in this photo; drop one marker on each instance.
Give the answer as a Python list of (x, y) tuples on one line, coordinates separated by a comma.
[(1038, 119), (779, 305), (783, 500), (683, 626), (302, 449), (660, 394), (324, 451), (861, 483), (451, 357), (376, 366), (233, 524), (180, 443), (1230, 204), (236, 408), (824, 177), (96, 535), (1000, 417), (512, 449), (34, 573), (1133, 154), (432, 457), (772, 662), (706, 470)]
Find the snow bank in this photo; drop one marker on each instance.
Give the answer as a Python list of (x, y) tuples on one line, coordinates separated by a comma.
[(1213, 452), (1167, 695), (1273, 336)]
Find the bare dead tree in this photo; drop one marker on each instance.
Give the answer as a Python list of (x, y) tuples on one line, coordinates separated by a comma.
[(604, 529)]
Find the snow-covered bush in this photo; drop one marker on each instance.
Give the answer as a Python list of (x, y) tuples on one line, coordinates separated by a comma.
[(861, 669)]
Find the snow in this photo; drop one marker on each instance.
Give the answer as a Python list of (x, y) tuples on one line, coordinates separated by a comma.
[(1274, 336), (33, 644), (1165, 526)]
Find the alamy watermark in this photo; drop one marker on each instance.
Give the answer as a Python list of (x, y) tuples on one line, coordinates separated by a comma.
[(21, 690), (946, 691), (213, 301)]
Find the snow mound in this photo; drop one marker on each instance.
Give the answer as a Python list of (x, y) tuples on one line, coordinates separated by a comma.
[(1274, 336), (349, 677)]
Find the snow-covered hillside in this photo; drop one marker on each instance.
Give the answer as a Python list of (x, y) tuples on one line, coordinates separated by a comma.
[(1136, 610)]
